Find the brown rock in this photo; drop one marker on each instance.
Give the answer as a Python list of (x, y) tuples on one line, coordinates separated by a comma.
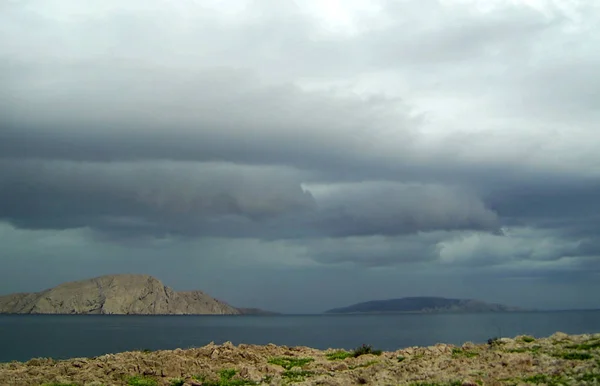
[(114, 294)]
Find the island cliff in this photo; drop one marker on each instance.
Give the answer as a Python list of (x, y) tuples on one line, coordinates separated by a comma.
[(115, 294)]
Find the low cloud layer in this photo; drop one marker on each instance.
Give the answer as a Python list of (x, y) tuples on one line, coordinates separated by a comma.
[(439, 137)]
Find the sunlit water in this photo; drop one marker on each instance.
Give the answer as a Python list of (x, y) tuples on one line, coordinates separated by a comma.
[(27, 336)]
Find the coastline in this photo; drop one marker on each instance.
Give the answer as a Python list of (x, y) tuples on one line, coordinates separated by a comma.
[(558, 359)]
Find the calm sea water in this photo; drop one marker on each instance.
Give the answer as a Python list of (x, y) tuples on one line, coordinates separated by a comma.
[(27, 336)]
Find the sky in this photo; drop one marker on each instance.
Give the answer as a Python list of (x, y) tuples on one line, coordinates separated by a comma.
[(300, 156)]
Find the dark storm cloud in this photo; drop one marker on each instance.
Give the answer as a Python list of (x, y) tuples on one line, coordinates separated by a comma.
[(430, 135), (224, 200)]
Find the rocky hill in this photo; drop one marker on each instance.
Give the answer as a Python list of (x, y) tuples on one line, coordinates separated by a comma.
[(422, 304), (115, 294)]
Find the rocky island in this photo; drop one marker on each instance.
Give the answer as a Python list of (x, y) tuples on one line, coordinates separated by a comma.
[(422, 304), (560, 359), (117, 295)]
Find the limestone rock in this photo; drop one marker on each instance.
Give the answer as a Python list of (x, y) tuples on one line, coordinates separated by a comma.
[(114, 294)]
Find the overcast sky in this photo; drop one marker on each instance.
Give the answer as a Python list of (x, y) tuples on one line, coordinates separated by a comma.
[(299, 156)]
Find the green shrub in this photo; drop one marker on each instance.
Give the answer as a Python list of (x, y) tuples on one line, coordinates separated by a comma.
[(364, 350)]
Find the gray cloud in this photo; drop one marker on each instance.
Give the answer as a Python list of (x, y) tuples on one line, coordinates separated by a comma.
[(224, 200), (428, 137)]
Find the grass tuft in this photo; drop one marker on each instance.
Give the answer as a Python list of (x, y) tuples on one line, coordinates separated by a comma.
[(363, 365), (296, 376), (589, 345), (579, 356), (225, 379), (458, 352), (339, 355), (141, 381)]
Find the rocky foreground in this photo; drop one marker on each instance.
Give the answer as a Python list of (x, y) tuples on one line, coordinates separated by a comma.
[(558, 360)]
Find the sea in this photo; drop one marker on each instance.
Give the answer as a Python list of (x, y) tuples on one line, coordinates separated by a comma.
[(23, 337)]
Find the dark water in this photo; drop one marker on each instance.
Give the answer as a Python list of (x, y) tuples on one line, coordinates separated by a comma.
[(26, 336)]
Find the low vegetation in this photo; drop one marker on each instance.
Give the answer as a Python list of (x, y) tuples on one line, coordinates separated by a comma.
[(459, 352), (365, 349), (579, 356), (138, 380), (589, 345), (226, 378), (296, 375), (528, 339), (289, 363), (339, 355)]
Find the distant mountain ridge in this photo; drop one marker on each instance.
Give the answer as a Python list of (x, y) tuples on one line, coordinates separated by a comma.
[(422, 305), (119, 295)]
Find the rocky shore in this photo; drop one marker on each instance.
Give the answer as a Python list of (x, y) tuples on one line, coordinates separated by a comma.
[(560, 359)]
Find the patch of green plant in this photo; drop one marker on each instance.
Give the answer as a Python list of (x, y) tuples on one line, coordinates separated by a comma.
[(457, 352), (290, 362), (451, 383), (528, 339), (176, 382), (200, 377), (533, 349), (366, 364), (226, 379), (138, 380), (364, 350), (589, 377), (400, 358), (296, 376), (549, 380), (589, 345), (579, 356), (339, 355)]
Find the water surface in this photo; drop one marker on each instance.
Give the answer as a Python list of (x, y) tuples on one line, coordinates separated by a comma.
[(65, 336)]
